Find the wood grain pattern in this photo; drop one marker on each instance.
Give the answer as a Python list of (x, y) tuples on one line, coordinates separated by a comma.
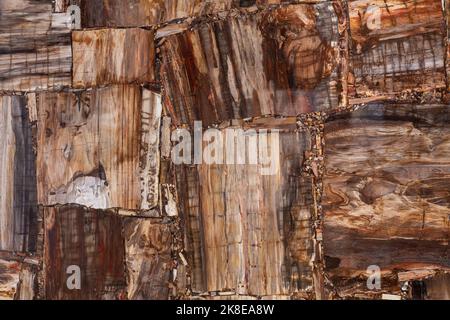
[(61, 5), (148, 246), (115, 13), (447, 12), (438, 287), (112, 56), (138, 13), (18, 204), (386, 186), (99, 148), (247, 233), (280, 62), (93, 241), (35, 49), (396, 46)]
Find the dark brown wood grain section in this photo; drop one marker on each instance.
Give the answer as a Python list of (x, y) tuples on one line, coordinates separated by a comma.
[(386, 191), (35, 49), (91, 240), (116, 13), (447, 13), (278, 62), (18, 203), (148, 245)]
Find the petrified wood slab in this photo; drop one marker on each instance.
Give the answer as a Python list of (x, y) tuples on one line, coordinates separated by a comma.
[(138, 13), (248, 233), (26, 288), (35, 50), (99, 148), (386, 190), (91, 240), (432, 286), (397, 46), (148, 245), (112, 56), (228, 297), (277, 62), (62, 5), (18, 204), (114, 13)]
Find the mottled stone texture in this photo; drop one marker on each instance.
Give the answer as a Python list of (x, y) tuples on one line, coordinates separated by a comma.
[(99, 148)]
